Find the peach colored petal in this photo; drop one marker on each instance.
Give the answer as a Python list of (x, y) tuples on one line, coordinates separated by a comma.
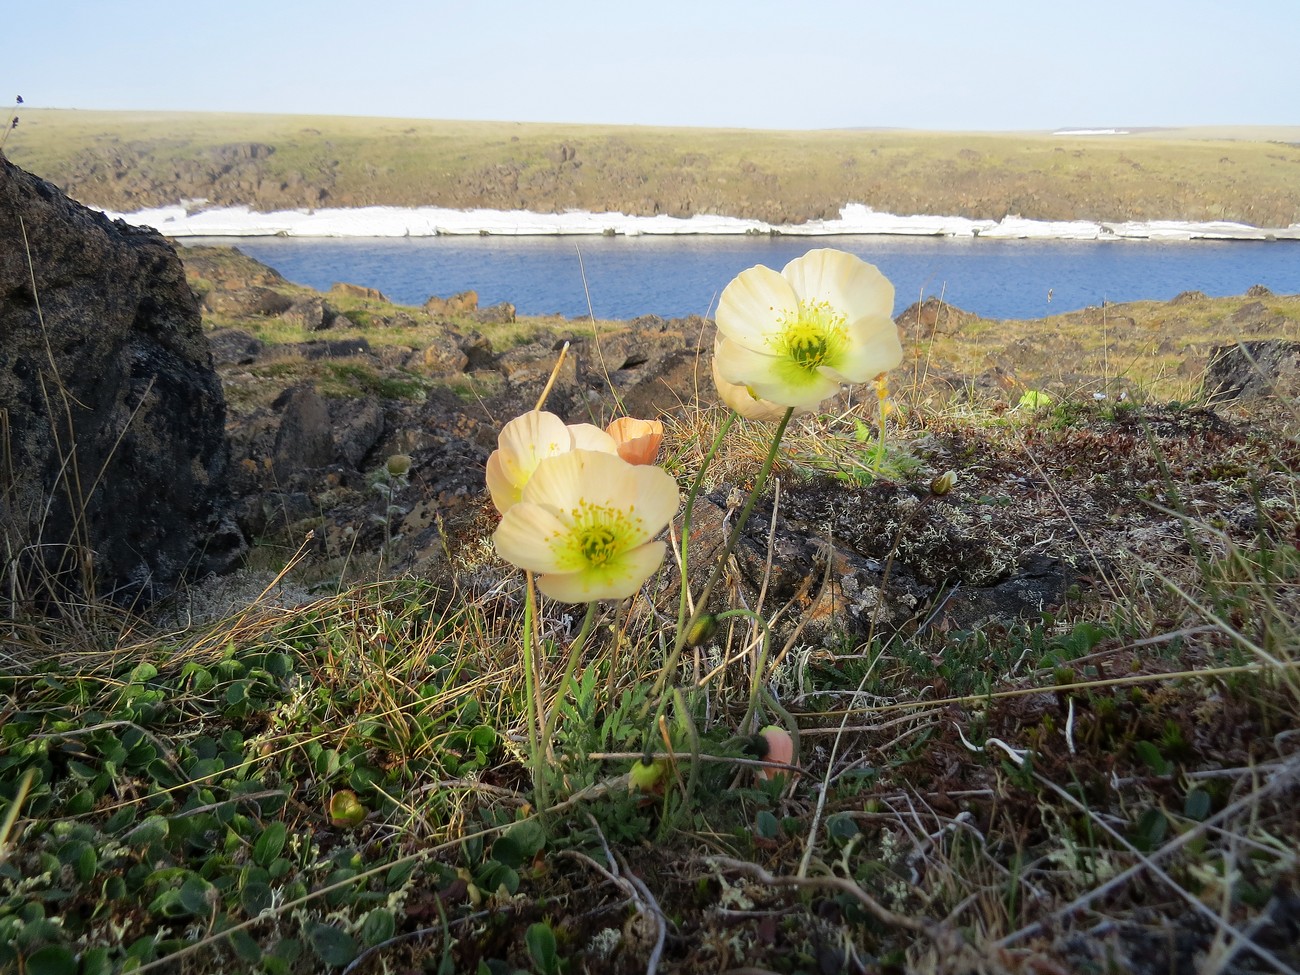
[(780, 748), (638, 440)]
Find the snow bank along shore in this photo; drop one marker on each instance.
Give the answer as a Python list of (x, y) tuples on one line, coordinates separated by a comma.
[(191, 220)]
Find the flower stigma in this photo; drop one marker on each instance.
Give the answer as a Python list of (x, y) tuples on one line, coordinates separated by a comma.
[(599, 535), (814, 334)]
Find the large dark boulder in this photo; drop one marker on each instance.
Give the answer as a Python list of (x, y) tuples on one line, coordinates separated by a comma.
[(113, 456), (1245, 370)]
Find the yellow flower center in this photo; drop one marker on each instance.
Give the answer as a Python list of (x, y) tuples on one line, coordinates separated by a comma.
[(598, 544), (813, 335), (599, 534)]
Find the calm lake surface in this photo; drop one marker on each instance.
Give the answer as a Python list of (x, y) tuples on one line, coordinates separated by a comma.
[(677, 276)]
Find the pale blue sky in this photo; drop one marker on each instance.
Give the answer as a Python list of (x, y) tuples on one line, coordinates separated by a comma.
[(935, 64)]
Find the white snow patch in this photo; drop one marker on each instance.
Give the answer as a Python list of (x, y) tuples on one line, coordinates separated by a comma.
[(190, 220)]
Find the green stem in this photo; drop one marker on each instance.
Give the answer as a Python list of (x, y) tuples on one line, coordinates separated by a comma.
[(575, 652), (534, 741), (686, 517), (880, 441), (670, 665)]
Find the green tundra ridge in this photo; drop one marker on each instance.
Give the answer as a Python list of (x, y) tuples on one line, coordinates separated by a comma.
[(131, 160)]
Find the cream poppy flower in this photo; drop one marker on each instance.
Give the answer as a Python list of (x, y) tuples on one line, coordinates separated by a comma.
[(795, 337), (638, 440), (586, 523), (527, 440)]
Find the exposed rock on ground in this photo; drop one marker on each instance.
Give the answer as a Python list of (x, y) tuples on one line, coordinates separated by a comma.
[(1254, 368), (114, 459)]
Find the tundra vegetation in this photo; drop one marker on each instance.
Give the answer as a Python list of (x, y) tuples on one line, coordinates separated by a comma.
[(130, 160), (438, 771)]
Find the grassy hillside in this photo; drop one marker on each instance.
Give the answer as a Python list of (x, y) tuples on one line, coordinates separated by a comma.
[(128, 160)]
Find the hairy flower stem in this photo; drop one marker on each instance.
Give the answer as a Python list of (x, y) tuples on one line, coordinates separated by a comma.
[(683, 601), (670, 665), (575, 652), (879, 459), (531, 692)]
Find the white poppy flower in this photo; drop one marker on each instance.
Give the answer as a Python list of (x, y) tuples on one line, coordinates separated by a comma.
[(795, 337), (586, 523)]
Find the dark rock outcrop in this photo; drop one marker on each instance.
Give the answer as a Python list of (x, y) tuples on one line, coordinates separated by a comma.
[(113, 457), (1269, 367)]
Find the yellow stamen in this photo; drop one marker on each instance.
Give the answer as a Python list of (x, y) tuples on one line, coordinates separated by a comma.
[(813, 335)]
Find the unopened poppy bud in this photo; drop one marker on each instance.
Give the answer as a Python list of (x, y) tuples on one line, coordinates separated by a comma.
[(779, 748), (399, 464), (944, 483), (345, 809), (701, 630), (646, 774)]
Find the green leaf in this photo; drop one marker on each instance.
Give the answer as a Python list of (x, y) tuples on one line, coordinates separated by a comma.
[(246, 946), (52, 960), (378, 926), (80, 803), (841, 827), (1150, 830), (121, 819), (766, 825), (194, 894), (494, 875), (520, 843), (153, 829), (1150, 754), (399, 874), (540, 940), (1197, 805), (82, 859), (142, 672), (81, 770), (255, 898), (200, 678), (332, 946), (94, 961), (269, 844)]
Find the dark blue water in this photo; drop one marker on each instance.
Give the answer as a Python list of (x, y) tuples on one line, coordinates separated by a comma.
[(676, 276)]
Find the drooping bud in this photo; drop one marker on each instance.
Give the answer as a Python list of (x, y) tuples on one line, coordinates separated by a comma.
[(944, 483), (701, 630)]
